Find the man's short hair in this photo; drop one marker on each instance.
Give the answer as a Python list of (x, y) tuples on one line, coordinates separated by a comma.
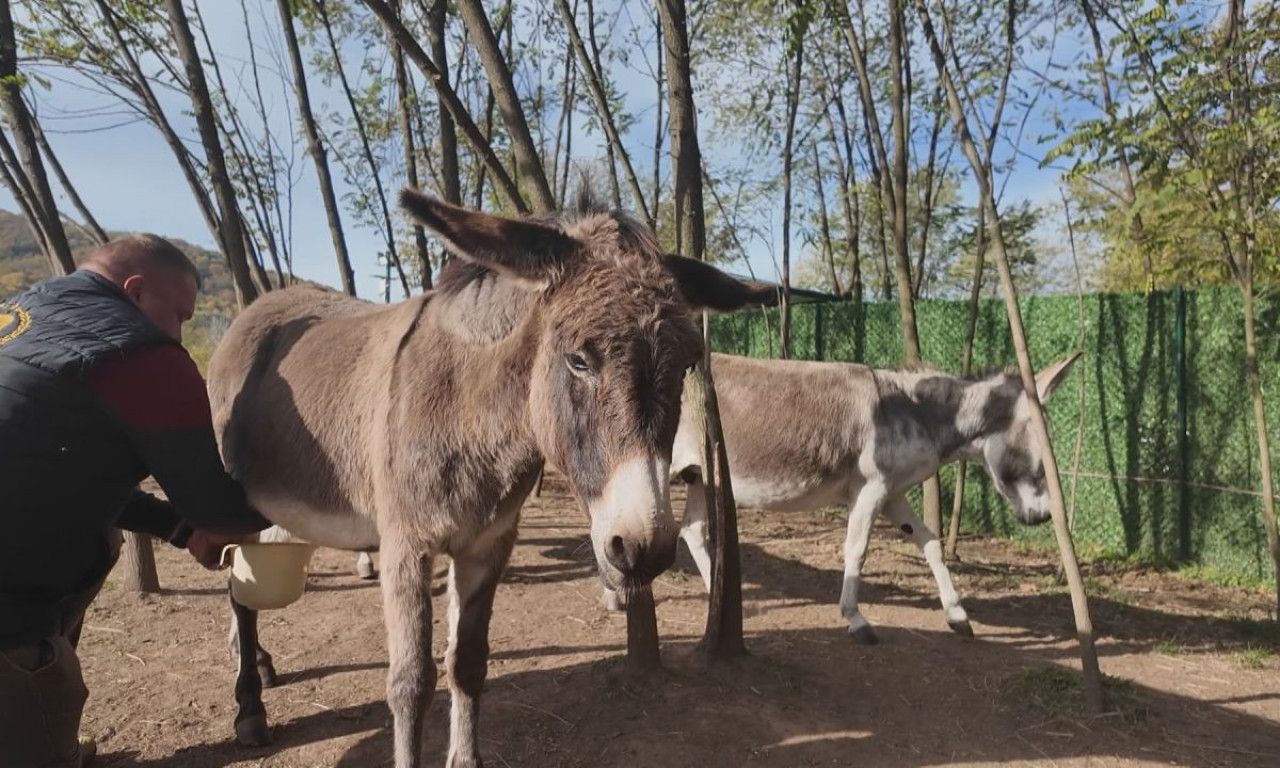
[(135, 251)]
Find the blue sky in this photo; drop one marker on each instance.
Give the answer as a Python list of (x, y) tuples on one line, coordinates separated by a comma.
[(130, 180)]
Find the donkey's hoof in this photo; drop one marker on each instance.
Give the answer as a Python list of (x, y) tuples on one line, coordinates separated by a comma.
[(458, 761), (253, 731), (613, 602), (864, 635), (269, 677), (366, 571), (962, 627)]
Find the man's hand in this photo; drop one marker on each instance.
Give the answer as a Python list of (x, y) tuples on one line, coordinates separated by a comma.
[(206, 547)]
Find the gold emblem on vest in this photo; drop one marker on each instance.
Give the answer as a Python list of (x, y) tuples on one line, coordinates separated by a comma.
[(14, 321)]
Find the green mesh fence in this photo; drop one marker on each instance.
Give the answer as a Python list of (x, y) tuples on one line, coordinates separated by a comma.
[(1139, 492)]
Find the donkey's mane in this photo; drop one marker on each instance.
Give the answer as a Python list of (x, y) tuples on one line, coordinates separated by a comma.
[(982, 374), (460, 273)]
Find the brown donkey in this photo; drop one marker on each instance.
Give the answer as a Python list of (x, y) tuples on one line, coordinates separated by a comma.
[(418, 428)]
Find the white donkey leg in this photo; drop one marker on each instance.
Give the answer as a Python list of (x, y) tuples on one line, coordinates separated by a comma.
[(473, 579), (899, 510), (364, 567), (411, 677), (694, 533), (862, 513)]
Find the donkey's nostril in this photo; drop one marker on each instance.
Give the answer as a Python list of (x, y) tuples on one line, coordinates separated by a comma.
[(623, 554)]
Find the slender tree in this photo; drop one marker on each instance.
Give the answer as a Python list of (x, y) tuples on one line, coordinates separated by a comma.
[(317, 149), (371, 164), (1039, 424), (27, 168), (230, 230), (595, 86), (723, 637), (528, 161), (796, 28), (457, 110)]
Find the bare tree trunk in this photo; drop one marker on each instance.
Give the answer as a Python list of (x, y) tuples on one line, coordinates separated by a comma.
[(231, 129), (40, 196), (596, 88), (449, 98), (528, 163), (230, 230), (966, 365), (879, 158), (788, 151), (137, 82), (927, 203), (1039, 426), (568, 136), (284, 272), (723, 636), (15, 180), (1260, 422), (686, 157), (407, 102), (643, 653), (597, 62), (898, 190), (849, 196), (564, 138), (140, 564), (388, 227), (450, 176), (91, 226), (824, 223), (450, 173), (253, 256), (316, 148), (901, 242), (658, 127)]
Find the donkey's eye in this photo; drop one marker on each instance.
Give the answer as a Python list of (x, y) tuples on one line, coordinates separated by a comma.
[(577, 363)]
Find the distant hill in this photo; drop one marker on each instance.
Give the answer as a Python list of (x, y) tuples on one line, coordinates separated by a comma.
[(23, 265)]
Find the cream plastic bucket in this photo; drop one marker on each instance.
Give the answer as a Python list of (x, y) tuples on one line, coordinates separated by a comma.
[(268, 576)]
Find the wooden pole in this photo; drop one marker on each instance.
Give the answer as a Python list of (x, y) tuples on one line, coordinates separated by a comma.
[(140, 564)]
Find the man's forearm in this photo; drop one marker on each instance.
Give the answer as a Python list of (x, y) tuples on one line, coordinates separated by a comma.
[(145, 513)]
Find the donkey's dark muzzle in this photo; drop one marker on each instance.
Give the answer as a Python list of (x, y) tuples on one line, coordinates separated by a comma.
[(638, 563)]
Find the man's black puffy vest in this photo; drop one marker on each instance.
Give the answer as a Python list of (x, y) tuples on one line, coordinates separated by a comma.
[(66, 465), (66, 324)]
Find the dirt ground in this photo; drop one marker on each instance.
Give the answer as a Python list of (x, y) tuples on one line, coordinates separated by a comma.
[(1198, 683)]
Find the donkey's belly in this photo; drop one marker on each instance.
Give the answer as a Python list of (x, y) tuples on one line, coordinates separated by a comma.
[(790, 494), (325, 527)]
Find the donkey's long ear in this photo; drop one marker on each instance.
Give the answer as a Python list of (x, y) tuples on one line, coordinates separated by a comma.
[(706, 288), (524, 249), (1049, 379)]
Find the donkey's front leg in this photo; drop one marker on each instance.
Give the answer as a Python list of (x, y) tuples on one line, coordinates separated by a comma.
[(694, 531), (251, 713), (411, 677), (473, 579), (862, 513), (899, 510)]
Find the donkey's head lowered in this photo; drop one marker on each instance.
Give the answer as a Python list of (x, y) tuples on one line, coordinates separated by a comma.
[(1010, 451), (616, 336)]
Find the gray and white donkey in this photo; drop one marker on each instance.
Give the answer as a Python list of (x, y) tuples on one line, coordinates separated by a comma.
[(806, 435)]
